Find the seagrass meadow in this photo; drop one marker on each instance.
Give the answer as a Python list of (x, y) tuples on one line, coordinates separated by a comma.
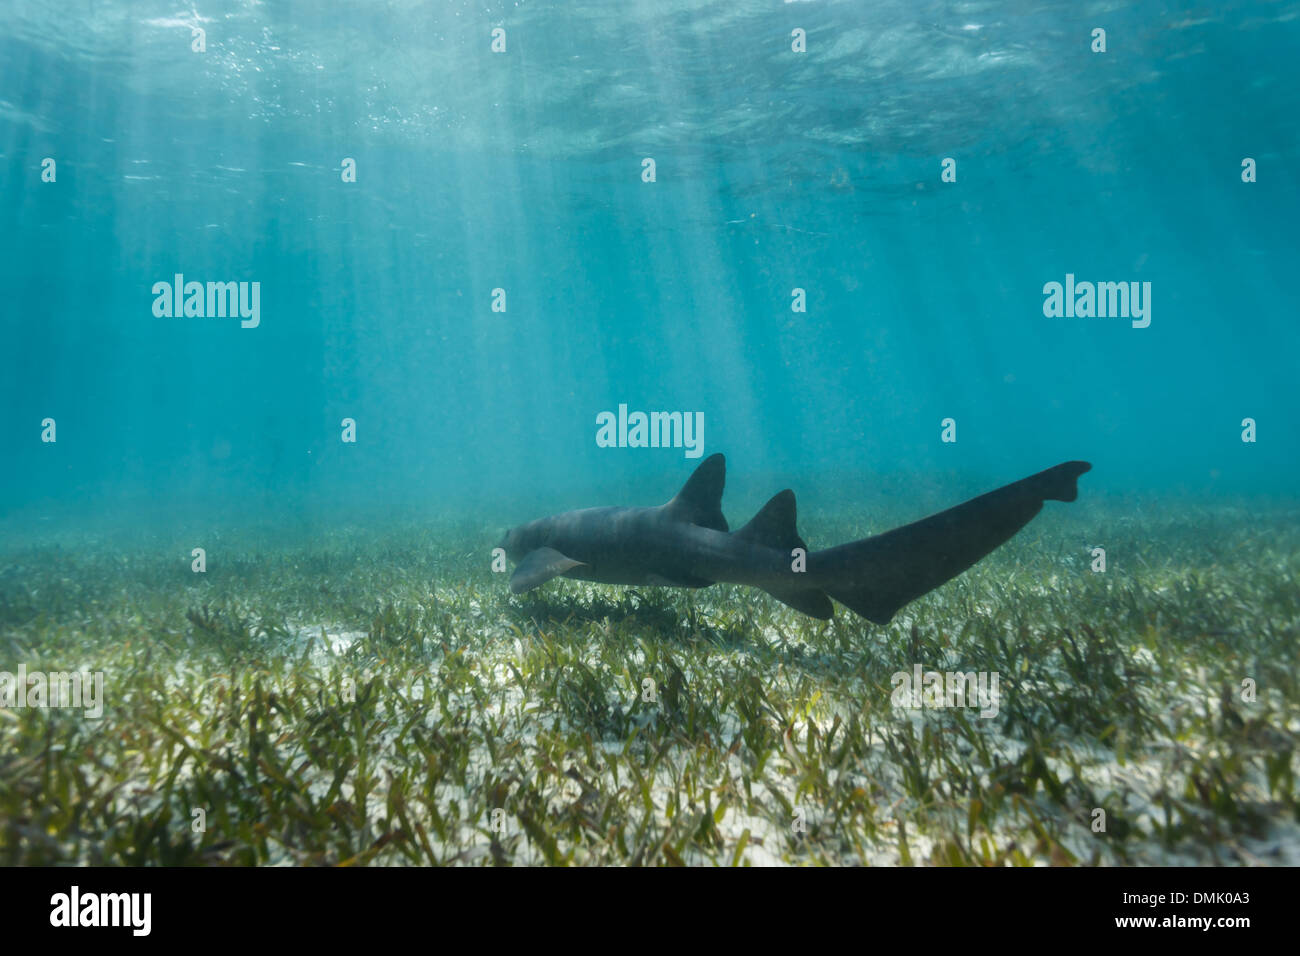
[(373, 695)]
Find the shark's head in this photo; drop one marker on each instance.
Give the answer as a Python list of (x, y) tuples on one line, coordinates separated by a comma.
[(517, 542)]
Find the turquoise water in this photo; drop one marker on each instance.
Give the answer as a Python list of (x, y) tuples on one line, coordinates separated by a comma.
[(523, 170)]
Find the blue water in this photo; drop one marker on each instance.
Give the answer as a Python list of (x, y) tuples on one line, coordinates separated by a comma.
[(522, 170)]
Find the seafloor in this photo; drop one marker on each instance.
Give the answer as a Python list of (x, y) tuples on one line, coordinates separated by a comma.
[(367, 694)]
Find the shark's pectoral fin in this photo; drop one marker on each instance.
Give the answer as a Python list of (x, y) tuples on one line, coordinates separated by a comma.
[(538, 567)]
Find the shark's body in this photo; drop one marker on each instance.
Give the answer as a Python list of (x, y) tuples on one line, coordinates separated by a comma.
[(687, 543)]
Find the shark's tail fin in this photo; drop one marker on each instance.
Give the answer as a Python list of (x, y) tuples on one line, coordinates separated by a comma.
[(1060, 483), (876, 576)]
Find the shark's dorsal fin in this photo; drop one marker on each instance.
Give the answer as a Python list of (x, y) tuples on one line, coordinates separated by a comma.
[(700, 500), (774, 525), (538, 567)]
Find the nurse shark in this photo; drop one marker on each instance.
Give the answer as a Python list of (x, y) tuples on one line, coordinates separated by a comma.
[(687, 543)]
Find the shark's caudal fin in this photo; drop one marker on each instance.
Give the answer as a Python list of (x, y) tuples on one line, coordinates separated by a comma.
[(774, 527), (877, 576), (700, 500)]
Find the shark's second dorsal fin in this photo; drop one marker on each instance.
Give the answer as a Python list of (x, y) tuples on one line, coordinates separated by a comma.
[(700, 500), (774, 525)]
